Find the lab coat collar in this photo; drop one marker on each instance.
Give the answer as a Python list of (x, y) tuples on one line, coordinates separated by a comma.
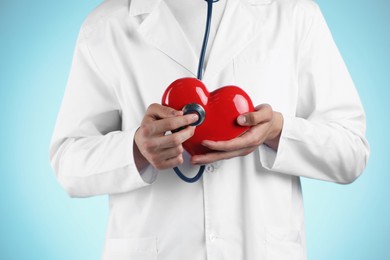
[(138, 7), (161, 29), (235, 34)]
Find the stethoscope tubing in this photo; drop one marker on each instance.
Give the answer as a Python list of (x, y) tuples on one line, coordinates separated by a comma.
[(199, 76)]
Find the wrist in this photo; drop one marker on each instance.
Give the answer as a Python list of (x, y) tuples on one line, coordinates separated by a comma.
[(140, 161), (275, 132)]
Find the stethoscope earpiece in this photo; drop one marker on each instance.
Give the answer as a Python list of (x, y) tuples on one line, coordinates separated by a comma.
[(194, 108)]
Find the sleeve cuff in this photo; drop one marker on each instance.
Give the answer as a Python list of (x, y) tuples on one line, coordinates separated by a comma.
[(148, 175), (269, 158)]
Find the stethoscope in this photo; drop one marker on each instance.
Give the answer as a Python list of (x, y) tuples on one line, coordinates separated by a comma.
[(195, 108)]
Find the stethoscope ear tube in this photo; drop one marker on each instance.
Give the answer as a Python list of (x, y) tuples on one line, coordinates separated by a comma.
[(206, 36), (195, 108)]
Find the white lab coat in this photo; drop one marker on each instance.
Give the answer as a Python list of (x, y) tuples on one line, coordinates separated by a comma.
[(281, 53)]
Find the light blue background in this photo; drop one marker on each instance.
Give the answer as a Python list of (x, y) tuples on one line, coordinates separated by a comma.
[(39, 221)]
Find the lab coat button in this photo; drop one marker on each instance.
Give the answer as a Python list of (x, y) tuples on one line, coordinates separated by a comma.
[(210, 168), (217, 164)]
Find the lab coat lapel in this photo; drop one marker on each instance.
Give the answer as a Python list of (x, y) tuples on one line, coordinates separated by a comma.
[(161, 29), (234, 34)]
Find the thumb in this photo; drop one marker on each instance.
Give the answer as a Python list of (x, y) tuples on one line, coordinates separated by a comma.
[(248, 119), (262, 113), (242, 120)]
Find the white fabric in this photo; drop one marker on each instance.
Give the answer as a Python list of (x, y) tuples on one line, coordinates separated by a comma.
[(191, 16), (282, 53)]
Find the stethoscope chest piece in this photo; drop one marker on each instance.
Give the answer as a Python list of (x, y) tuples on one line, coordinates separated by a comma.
[(194, 108)]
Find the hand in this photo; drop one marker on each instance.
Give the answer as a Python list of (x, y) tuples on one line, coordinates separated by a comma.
[(266, 128), (152, 146)]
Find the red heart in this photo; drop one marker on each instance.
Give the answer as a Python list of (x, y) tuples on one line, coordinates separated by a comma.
[(222, 107)]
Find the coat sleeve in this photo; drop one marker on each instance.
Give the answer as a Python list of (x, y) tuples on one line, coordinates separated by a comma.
[(325, 140), (89, 153)]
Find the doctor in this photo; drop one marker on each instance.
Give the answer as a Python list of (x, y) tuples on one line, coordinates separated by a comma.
[(109, 136)]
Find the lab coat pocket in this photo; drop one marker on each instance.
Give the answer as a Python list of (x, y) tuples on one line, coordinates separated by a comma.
[(130, 249), (283, 244)]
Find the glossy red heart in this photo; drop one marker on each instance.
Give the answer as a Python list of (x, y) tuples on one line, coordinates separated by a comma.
[(222, 107)]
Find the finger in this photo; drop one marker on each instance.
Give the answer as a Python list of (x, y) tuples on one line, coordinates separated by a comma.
[(170, 153), (155, 144), (168, 124), (253, 137), (169, 163), (176, 139), (262, 114), (157, 111), (217, 156)]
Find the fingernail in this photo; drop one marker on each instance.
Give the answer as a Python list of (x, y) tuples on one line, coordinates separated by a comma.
[(195, 117), (241, 120)]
